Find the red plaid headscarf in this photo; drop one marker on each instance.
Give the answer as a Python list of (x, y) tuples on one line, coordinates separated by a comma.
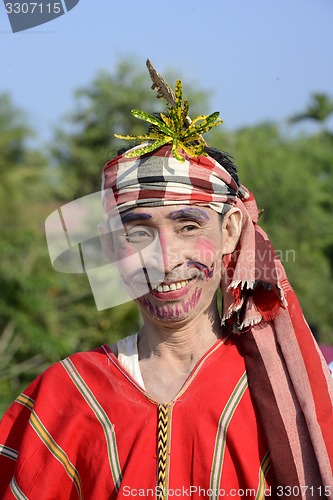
[(289, 381)]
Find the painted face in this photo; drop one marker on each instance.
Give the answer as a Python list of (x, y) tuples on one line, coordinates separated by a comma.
[(185, 245)]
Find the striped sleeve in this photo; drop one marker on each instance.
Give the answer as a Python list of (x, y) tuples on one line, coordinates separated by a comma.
[(12, 429), (32, 461)]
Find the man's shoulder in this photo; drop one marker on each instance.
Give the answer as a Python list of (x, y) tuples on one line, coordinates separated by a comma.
[(62, 383), (58, 375)]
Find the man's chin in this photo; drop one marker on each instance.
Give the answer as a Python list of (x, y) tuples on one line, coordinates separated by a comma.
[(176, 308)]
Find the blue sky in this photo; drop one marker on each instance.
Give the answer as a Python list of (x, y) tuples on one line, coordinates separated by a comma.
[(261, 60)]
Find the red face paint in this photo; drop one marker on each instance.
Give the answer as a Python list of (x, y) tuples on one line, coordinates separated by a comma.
[(207, 271), (170, 310)]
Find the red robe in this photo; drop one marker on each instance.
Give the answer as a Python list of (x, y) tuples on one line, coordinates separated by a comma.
[(85, 429)]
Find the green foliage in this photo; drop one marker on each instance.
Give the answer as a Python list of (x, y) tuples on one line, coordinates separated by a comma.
[(292, 179), (22, 187), (320, 110)]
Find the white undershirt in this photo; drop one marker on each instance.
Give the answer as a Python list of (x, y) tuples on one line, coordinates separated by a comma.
[(128, 357)]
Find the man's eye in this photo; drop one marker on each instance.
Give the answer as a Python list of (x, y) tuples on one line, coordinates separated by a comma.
[(189, 227), (138, 235)]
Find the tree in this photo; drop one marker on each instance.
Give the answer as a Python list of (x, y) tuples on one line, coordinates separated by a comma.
[(22, 187), (292, 179), (319, 110)]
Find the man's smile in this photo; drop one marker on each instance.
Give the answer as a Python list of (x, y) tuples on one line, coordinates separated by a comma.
[(164, 287), (172, 291)]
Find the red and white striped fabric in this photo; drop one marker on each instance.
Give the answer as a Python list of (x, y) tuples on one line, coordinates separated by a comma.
[(159, 179)]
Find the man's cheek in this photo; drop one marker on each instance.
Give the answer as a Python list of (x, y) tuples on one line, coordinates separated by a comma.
[(205, 251)]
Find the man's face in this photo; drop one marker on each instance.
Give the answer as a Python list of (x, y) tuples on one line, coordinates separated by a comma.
[(186, 250)]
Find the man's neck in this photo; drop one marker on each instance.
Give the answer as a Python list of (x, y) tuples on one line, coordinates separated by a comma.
[(177, 340), (169, 353)]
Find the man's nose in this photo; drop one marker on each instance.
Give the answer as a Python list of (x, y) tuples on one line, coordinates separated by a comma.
[(162, 256), (172, 249)]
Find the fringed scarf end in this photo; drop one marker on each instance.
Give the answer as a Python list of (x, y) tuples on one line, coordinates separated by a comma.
[(241, 284), (263, 303), (233, 309)]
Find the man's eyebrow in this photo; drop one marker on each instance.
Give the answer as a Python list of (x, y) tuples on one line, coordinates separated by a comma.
[(189, 214), (134, 216)]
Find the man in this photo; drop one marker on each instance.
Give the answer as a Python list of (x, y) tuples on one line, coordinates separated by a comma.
[(187, 407)]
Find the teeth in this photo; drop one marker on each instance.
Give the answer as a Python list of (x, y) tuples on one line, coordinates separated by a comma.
[(172, 286)]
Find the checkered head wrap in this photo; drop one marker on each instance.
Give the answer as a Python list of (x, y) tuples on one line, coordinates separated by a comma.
[(159, 179), (289, 381)]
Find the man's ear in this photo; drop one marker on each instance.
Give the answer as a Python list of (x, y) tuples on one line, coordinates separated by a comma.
[(231, 230), (106, 241)]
